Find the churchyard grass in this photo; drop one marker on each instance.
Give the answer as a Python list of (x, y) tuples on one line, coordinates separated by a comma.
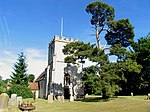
[(92, 104)]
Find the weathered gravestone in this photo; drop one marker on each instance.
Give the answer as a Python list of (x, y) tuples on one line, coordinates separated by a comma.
[(148, 96), (13, 99), (58, 98), (62, 98), (71, 98), (3, 102), (19, 100), (50, 98)]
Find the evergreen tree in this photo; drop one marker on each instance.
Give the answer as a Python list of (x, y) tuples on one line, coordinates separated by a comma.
[(117, 31), (108, 74), (126, 59), (119, 35), (19, 76), (92, 83), (142, 50)]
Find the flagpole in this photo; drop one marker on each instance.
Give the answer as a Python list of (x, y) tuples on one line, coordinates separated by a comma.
[(61, 27)]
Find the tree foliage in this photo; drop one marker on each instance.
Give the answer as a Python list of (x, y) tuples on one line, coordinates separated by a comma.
[(76, 51), (101, 13), (1, 78), (117, 31), (31, 77), (91, 81), (21, 90), (121, 32), (126, 59), (3, 85), (142, 49), (19, 76), (108, 76)]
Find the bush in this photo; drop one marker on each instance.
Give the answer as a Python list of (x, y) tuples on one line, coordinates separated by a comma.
[(21, 90), (1, 91)]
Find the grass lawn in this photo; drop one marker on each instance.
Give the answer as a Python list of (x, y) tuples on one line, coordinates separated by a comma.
[(91, 104)]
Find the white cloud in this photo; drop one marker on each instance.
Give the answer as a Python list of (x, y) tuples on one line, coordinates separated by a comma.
[(35, 53), (6, 63), (36, 60)]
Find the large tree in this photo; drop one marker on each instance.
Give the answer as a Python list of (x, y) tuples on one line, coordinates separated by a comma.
[(108, 74), (126, 59), (120, 31), (142, 49), (20, 76), (119, 35)]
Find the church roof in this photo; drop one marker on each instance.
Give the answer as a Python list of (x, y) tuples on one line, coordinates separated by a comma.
[(41, 77)]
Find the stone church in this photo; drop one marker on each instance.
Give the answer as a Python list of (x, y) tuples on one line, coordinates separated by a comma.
[(59, 78)]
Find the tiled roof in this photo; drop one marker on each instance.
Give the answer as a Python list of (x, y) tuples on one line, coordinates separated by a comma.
[(33, 86)]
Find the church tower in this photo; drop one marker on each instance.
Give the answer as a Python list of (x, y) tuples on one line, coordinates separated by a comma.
[(60, 76)]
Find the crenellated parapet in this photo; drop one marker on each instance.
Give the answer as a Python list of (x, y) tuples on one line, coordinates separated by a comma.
[(63, 39)]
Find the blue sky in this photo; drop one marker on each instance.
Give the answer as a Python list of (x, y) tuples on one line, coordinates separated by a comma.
[(29, 25)]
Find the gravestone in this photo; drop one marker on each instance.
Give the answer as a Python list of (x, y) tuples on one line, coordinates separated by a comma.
[(58, 98), (19, 100), (3, 101), (50, 98), (148, 96), (71, 98), (62, 98), (13, 99)]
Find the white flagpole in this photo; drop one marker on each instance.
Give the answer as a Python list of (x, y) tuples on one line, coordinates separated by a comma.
[(61, 27)]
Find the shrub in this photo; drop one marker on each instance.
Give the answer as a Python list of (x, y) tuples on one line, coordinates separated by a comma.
[(21, 90), (1, 91)]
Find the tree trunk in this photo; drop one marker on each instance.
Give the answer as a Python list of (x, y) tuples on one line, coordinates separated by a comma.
[(97, 36), (104, 94)]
